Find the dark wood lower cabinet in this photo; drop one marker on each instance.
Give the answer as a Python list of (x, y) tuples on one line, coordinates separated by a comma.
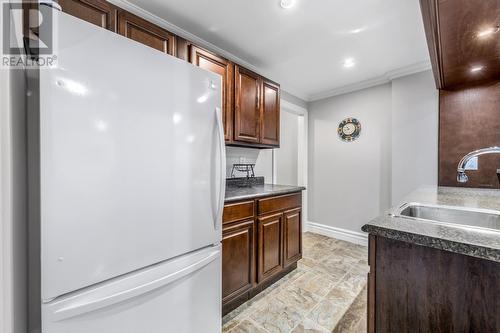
[(238, 243), (259, 248), (292, 224), (414, 288), (270, 254)]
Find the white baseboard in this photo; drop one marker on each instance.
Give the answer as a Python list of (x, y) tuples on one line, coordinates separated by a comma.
[(338, 233)]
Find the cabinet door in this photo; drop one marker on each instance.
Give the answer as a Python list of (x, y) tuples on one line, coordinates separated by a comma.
[(270, 117), (225, 69), (238, 263), (144, 32), (98, 12), (246, 107), (270, 251), (292, 236)]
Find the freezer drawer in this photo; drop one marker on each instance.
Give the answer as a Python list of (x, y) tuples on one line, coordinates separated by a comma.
[(182, 295)]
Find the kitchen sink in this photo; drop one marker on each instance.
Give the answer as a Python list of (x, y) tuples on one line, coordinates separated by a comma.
[(450, 215)]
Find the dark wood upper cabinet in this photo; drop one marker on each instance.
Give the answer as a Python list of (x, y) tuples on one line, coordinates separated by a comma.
[(270, 252), (182, 47), (292, 236), (225, 69), (270, 114), (98, 12), (250, 102), (247, 106), (144, 32), (256, 110), (238, 263)]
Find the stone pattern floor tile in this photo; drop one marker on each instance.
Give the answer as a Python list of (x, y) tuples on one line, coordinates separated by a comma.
[(326, 293), (354, 319)]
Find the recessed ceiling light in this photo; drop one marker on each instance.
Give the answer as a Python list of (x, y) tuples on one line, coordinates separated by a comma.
[(488, 32), (349, 62), (357, 31), (286, 4), (476, 69)]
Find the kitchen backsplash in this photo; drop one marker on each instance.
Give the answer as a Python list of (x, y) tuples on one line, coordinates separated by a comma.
[(262, 158)]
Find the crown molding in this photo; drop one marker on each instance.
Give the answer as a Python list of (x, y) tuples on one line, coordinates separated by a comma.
[(134, 9), (387, 77), (383, 79), (293, 107)]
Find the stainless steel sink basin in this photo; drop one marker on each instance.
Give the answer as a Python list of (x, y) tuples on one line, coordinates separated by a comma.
[(450, 215)]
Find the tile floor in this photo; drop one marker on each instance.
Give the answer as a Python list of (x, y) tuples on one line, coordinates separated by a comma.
[(326, 293)]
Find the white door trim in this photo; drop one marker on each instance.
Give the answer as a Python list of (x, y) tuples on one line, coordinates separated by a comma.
[(303, 153)]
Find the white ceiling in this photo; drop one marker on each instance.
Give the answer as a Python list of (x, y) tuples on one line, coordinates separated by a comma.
[(303, 48)]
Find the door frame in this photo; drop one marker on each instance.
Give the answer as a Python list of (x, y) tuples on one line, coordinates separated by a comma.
[(302, 158)]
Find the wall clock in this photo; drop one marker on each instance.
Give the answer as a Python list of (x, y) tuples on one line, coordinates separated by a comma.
[(349, 129)]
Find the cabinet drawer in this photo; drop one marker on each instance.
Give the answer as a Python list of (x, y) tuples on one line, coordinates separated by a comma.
[(282, 202), (238, 211)]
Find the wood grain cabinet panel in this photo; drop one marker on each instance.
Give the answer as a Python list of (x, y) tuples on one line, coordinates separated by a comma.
[(277, 245), (270, 114), (414, 288), (144, 32), (225, 69), (270, 250), (292, 236), (246, 108), (238, 211), (98, 12), (238, 264), (279, 203)]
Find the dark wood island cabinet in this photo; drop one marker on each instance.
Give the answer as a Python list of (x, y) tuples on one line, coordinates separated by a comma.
[(438, 273), (414, 288)]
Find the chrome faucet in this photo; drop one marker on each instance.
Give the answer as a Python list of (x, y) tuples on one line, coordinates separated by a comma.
[(461, 175)]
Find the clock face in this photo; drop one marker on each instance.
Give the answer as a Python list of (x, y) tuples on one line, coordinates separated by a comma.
[(349, 129)]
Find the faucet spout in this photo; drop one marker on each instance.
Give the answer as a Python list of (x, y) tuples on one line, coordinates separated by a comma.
[(461, 175)]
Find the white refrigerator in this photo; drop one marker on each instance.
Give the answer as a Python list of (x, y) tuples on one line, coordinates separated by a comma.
[(130, 180)]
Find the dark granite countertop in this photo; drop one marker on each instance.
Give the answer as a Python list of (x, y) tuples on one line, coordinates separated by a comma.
[(476, 242), (236, 191)]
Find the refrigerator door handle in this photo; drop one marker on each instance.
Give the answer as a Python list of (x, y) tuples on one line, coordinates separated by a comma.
[(222, 169), (74, 307)]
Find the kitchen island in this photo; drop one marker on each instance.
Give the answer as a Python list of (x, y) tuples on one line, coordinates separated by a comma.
[(439, 274), (261, 237)]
